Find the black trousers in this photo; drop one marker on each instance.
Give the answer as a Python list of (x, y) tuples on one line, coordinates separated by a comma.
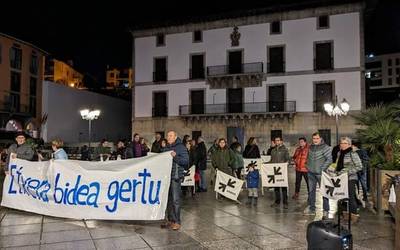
[(298, 180), (278, 195), (353, 196)]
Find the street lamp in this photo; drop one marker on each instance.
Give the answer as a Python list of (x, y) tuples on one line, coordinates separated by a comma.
[(337, 109), (90, 115)]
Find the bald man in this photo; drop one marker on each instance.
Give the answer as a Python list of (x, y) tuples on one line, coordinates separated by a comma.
[(179, 163)]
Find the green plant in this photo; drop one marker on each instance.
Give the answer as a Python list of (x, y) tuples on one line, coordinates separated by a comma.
[(380, 133)]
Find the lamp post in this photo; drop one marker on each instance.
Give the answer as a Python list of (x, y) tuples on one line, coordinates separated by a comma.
[(337, 109), (90, 115)]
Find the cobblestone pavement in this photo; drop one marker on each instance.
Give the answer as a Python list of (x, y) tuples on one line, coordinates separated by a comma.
[(207, 224)]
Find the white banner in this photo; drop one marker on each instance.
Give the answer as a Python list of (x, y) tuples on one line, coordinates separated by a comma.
[(227, 185), (274, 175), (334, 187), (189, 179), (133, 189), (258, 162)]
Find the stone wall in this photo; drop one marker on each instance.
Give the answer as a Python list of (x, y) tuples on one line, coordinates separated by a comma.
[(302, 124)]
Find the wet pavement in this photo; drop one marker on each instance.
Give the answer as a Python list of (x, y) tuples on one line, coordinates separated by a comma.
[(206, 224)]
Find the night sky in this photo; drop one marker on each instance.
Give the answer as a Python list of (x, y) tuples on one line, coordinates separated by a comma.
[(97, 35)]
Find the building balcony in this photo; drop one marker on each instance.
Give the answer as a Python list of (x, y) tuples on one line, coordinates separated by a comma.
[(239, 110), (235, 76)]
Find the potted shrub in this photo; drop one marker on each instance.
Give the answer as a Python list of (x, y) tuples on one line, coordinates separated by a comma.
[(380, 133)]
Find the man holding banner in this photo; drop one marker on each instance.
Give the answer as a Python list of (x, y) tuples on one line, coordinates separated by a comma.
[(180, 161), (280, 154)]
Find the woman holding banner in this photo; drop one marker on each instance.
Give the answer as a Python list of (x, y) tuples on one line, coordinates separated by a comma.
[(348, 162), (59, 152)]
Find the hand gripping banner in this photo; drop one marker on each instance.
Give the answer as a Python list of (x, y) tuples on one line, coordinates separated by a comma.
[(133, 189)]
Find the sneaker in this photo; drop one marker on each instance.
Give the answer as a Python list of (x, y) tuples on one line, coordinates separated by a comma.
[(175, 226), (308, 211)]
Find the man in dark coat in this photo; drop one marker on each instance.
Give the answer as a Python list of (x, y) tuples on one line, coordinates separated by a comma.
[(180, 161)]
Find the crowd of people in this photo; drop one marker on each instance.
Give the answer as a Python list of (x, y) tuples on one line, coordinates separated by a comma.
[(309, 159)]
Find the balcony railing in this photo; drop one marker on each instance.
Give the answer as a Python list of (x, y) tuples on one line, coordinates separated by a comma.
[(197, 73), (160, 76), (160, 112), (246, 68), (230, 108)]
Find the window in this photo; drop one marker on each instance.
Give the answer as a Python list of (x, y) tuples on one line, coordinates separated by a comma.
[(275, 27), (160, 40), (34, 65), (323, 57), (32, 86), (197, 36), (397, 80), (15, 58), (160, 70), (397, 71), (32, 105), (197, 67), (276, 133), (323, 93), (323, 22), (390, 81), (389, 62), (397, 61), (390, 71), (15, 81), (276, 59), (160, 104)]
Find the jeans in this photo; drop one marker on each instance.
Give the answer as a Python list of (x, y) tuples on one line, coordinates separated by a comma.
[(313, 180), (174, 201), (298, 180), (203, 183), (362, 178), (278, 195)]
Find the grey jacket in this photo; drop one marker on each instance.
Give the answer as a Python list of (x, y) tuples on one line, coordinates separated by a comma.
[(23, 151), (319, 158), (351, 165)]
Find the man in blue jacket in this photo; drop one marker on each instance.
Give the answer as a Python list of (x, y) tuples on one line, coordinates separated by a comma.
[(179, 163)]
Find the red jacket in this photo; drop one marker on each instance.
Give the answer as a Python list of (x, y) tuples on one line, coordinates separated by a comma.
[(300, 158)]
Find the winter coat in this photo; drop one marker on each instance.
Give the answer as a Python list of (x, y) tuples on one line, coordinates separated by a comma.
[(23, 151), (251, 151), (125, 153), (319, 158), (253, 179), (279, 154), (192, 158), (235, 145), (300, 158), (351, 165), (238, 162), (156, 147), (180, 161), (222, 159), (201, 156), (60, 154)]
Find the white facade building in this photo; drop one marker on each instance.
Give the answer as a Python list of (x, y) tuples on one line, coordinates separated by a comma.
[(220, 78)]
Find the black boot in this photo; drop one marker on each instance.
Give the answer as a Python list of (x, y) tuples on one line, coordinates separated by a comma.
[(249, 200), (255, 201)]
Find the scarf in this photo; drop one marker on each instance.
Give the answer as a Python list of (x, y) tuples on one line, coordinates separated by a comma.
[(340, 163)]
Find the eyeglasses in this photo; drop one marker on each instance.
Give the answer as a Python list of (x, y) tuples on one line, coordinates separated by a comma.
[(344, 143)]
